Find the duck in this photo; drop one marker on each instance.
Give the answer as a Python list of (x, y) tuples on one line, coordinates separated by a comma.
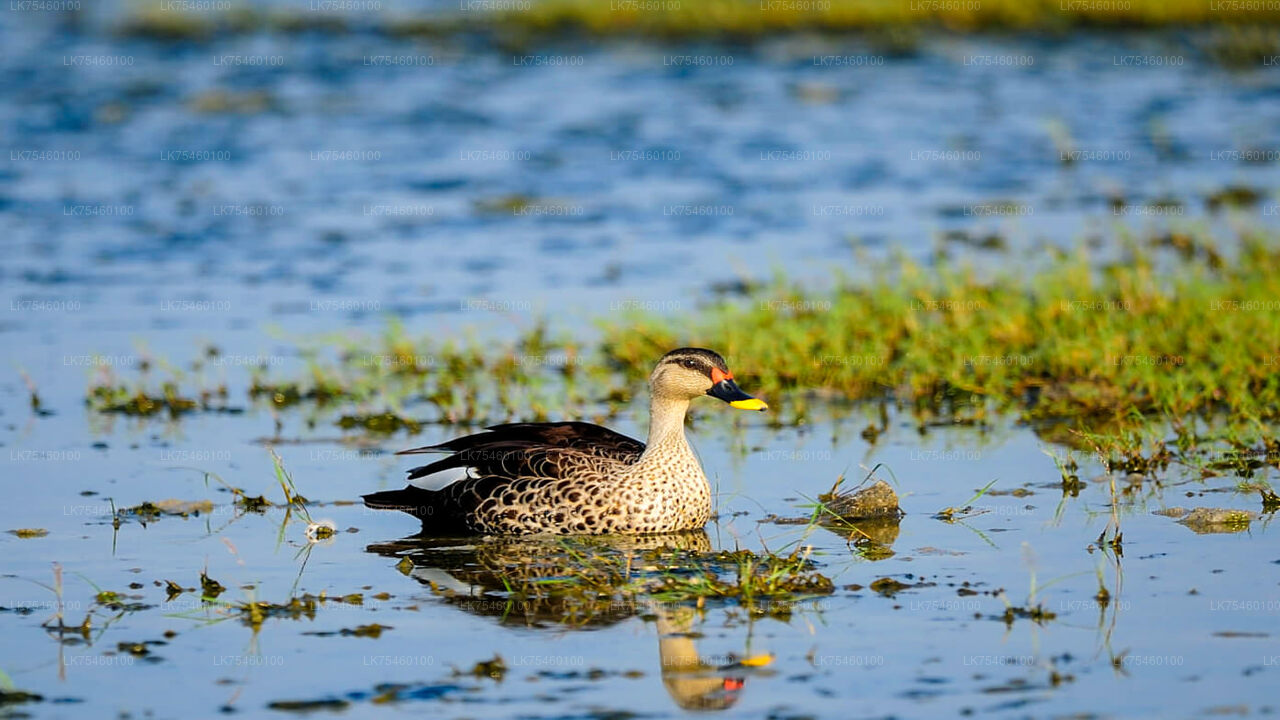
[(576, 478)]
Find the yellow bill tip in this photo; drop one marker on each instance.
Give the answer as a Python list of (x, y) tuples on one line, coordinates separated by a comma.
[(750, 404), (757, 661)]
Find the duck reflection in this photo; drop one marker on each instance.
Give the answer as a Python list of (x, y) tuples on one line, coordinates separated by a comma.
[(576, 583), (691, 682)]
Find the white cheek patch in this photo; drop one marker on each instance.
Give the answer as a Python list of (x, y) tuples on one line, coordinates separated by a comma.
[(443, 479)]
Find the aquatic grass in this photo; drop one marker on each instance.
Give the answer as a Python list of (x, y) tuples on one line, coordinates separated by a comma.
[(57, 620), (119, 399), (1034, 608), (56, 625), (253, 612), (1169, 331), (1067, 470), (143, 398), (965, 509), (10, 695), (739, 20), (1270, 499), (378, 384), (32, 392), (243, 500), (316, 531), (698, 18), (581, 579), (1150, 336), (1242, 46), (763, 584), (323, 385)]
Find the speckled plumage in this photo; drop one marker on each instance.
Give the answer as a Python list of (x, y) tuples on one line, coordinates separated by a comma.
[(573, 477)]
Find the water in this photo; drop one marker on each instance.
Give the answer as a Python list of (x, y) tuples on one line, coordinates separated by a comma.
[(919, 652), (344, 192)]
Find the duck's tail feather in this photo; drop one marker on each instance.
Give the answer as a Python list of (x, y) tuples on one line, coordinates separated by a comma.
[(429, 506), (413, 500)]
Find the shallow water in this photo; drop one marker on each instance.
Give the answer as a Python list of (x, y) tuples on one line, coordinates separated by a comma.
[(278, 239), (1189, 627)]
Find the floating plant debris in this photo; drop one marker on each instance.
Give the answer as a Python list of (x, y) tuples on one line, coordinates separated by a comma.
[(494, 668), (386, 422), (372, 630), (1212, 520), (149, 510), (137, 402)]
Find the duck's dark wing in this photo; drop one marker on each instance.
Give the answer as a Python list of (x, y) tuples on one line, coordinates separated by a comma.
[(502, 474), (517, 450)]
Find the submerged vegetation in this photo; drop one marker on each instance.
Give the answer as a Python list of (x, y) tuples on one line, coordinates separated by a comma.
[(591, 580)]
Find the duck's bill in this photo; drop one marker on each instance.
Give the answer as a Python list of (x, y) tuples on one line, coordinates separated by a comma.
[(728, 391)]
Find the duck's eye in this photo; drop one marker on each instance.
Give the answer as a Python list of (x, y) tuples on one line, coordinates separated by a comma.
[(691, 364)]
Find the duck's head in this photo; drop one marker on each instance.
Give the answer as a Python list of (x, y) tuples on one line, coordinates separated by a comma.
[(687, 373)]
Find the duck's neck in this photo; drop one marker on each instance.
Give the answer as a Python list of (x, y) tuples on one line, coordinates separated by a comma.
[(666, 424)]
